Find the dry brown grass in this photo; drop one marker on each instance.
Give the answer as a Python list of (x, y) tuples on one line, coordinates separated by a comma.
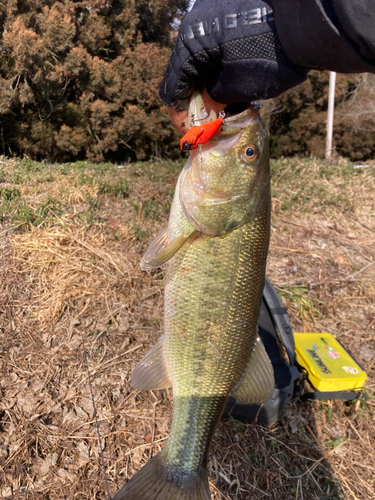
[(64, 265), (68, 288)]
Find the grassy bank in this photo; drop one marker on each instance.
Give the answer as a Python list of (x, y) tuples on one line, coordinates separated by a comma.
[(71, 238)]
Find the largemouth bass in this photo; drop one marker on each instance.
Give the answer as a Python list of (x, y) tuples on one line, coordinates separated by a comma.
[(215, 246)]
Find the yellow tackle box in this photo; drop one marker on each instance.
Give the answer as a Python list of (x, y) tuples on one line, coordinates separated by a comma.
[(329, 365)]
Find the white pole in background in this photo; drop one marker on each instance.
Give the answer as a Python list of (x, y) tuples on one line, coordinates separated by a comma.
[(331, 105)]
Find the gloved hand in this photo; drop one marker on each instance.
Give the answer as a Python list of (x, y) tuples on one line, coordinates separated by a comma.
[(231, 48)]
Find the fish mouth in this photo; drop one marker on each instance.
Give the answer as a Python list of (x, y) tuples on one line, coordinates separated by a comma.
[(197, 113), (230, 132), (233, 114)]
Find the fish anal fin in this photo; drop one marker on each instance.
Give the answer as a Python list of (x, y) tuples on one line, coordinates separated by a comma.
[(160, 250), (257, 382), (156, 481), (151, 372)]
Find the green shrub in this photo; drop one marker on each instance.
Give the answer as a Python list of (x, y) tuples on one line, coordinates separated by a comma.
[(80, 79)]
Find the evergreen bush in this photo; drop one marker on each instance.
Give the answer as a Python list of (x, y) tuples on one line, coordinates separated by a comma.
[(79, 79)]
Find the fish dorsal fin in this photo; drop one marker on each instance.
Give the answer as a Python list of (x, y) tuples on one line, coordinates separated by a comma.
[(257, 382), (160, 250), (151, 372)]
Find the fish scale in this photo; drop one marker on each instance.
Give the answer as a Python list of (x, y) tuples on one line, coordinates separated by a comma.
[(212, 378)]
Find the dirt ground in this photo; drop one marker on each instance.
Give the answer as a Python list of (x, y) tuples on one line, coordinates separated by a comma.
[(77, 314)]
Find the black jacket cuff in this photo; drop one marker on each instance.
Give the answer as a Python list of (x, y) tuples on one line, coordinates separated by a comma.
[(313, 35)]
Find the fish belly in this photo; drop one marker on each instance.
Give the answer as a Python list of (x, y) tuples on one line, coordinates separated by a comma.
[(212, 298)]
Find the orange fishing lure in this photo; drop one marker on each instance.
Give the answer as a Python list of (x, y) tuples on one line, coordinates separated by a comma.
[(200, 134)]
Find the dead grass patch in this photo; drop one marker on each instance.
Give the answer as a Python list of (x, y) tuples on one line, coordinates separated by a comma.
[(65, 265), (73, 285)]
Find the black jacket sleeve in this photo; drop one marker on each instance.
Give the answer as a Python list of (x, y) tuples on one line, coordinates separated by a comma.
[(336, 35)]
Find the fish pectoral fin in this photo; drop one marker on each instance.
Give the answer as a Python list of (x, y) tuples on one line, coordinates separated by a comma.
[(157, 246), (151, 372), (160, 250), (257, 382)]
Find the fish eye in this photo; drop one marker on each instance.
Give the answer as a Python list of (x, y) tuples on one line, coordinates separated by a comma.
[(250, 153)]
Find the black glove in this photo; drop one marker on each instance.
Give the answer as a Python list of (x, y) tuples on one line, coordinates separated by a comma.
[(231, 47)]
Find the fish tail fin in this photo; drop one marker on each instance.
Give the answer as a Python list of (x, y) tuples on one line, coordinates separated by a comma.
[(157, 481)]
